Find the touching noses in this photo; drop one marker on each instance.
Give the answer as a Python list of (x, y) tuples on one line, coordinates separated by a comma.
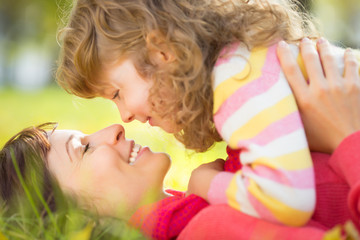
[(110, 135)]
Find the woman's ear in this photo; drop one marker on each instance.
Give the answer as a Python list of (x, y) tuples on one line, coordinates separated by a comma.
[(159, 50)]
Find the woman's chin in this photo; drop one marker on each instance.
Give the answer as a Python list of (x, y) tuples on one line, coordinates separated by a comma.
[(154, 194)]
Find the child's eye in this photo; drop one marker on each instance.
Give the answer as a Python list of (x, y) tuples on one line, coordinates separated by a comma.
[(87, 146), (116, 95)]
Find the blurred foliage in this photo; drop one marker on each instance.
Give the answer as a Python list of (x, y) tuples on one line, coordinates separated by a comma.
[(66, 223), (74, 224), (28, 25), (339, 21), (29, 19)]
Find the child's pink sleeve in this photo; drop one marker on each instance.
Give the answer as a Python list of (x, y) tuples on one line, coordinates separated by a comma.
[(345, 161), (255, 111)]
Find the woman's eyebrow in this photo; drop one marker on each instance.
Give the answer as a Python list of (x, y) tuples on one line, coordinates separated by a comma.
[(67, 145)]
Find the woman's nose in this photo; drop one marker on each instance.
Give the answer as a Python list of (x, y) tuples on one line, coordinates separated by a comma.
[(109, 135)]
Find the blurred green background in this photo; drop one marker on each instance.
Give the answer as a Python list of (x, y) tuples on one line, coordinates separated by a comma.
[(29, 95)]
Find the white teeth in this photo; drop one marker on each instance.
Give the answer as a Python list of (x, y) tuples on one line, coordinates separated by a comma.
[(131, 160), (136, 147), (134, 153)]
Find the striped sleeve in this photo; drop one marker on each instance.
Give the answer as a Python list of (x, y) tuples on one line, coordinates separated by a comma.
[(255, 111)]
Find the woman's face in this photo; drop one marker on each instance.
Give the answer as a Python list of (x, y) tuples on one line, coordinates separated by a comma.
[(111, 172)]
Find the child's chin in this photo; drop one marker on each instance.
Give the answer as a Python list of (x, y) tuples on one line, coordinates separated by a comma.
[(171, 129)]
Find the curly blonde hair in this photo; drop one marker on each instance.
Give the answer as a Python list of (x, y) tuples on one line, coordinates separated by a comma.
[(101, 31)]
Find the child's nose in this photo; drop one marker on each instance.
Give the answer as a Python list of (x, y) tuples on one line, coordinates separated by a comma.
[(125, 114)]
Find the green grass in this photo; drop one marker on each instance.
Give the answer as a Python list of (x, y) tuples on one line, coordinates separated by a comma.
[(19, 109)]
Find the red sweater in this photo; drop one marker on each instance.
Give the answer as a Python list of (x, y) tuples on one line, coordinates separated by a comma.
[(337, 192), (338, 183)]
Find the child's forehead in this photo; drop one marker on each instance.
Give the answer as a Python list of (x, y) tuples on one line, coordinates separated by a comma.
[(100, 86), (105, 89)]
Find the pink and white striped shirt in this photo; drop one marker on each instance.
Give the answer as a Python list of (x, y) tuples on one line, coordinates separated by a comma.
[(255, 111)]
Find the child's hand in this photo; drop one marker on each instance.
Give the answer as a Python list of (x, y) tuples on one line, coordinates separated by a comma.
[(330, 103), (202, 176)]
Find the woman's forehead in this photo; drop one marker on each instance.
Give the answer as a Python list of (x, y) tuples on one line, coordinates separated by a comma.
[(62, 141), (61, 136)]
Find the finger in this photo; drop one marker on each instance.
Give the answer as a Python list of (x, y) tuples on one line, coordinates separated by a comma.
[(351, 71), (291, 69), (328, 61), (312, 62)]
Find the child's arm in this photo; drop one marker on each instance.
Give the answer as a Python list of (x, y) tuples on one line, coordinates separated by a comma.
[(255, 111), (202, 176)]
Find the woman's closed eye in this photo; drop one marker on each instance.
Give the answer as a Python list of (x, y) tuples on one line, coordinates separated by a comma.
[(86, 148)]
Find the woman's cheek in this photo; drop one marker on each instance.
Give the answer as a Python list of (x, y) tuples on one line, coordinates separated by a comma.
[(104, 160)]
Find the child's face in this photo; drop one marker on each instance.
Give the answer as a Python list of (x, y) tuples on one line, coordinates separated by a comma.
[(130, 93), (102, 171)]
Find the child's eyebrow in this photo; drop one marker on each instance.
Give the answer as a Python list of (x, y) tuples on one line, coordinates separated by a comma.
[(67, 145)]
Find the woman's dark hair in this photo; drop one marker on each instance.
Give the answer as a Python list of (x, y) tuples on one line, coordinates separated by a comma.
[(24, 171)]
